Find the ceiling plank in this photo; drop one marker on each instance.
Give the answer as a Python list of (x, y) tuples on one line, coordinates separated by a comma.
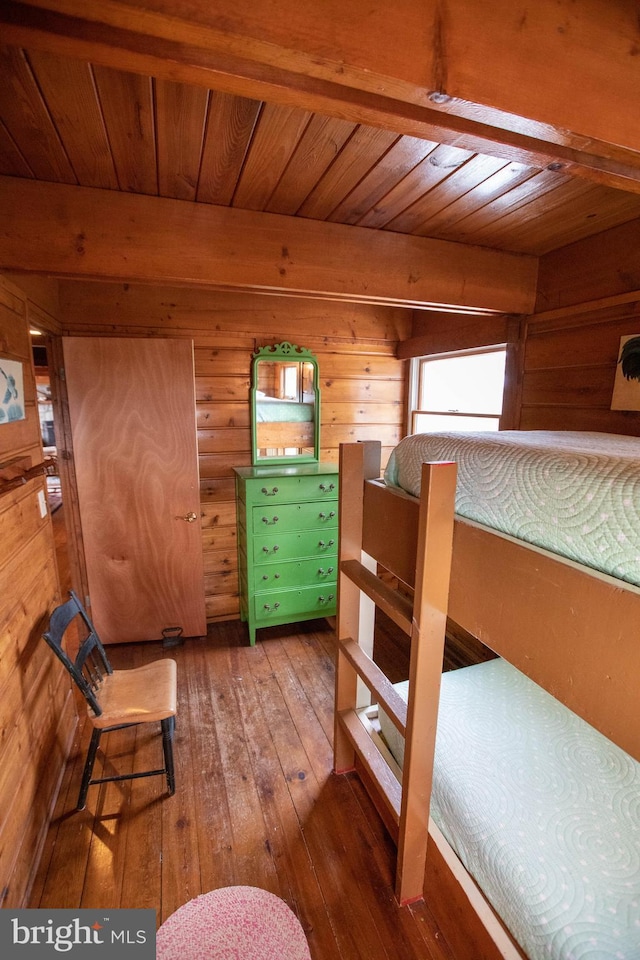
[(467, 178), (319, 146), (480, 196), (71, 98), (507, 203), (230, 124), (181, 113), (275, 138), (127, 106), (68, 231), (549, 83), (396, 164), (28, 121), (12, 161), (361, 153), (437, 167)]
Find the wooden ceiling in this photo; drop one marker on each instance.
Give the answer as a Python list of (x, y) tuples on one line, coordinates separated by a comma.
[(420, 154), (69, 121)]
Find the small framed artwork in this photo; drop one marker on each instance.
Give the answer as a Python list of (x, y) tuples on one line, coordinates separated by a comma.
[(626, 387), (11, 391)]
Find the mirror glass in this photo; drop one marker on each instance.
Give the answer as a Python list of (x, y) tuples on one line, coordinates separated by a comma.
[(285, 404)]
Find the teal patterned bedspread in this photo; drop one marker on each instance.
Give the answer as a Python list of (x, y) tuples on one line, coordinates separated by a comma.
[(543, 811), (273, 410), (575, 494)]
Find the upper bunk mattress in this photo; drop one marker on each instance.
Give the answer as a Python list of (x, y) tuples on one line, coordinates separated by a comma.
[(575, 494), (276, 410), (542, 810)]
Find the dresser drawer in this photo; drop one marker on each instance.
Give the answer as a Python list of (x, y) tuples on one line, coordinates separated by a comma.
[(295, 516), (287, 526), (282, 489), (294, 546), (285, 604), (296, 573)]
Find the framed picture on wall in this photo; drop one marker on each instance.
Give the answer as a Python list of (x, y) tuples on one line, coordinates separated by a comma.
[(626, 388), (11, 391)]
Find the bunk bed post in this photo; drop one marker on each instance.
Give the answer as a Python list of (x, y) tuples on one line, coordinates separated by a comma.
[(433, 568), (358, 462)]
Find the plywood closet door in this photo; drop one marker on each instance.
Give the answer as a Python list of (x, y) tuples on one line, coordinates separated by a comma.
[(132, 411)]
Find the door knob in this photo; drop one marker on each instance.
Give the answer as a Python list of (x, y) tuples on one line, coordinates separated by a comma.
[(189, 517)]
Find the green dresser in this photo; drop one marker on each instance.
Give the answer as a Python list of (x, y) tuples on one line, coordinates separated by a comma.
[(287, 543)]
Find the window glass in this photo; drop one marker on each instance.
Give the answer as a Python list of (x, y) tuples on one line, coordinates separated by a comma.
[(461, 391), (469, 382)]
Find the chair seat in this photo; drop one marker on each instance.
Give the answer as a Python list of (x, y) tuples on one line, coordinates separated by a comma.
[(115, 698), (138, 695)]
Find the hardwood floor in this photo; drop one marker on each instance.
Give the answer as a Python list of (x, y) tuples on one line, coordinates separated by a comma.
[(256, 803)]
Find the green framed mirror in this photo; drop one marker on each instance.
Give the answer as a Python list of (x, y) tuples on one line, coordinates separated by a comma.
[(285, 405)]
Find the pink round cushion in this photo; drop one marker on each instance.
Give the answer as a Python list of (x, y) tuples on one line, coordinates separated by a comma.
[(233, 923)]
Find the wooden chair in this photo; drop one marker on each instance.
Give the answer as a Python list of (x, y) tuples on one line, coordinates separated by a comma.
[(115, 698)]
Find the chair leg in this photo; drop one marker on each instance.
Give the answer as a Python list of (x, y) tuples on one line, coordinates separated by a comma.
[(168, 727), (88, 768)]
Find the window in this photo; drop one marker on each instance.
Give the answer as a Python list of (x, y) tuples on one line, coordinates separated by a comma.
[(457, 391), (289, 387)]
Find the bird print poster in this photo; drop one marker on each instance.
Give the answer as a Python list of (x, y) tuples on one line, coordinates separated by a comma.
[(626, 388), (11, 391)]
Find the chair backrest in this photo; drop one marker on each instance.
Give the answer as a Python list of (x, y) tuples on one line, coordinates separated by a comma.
[(91, 663)]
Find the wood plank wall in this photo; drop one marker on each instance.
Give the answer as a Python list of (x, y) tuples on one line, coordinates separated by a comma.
[(588, 297), (37, 710), (570, 362), (564, 356), (563, 366), (362, 382)]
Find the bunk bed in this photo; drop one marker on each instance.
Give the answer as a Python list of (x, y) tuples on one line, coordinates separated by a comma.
[(566, 638), (282, 423)]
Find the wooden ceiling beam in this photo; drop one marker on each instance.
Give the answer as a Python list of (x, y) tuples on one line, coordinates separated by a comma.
[(78, 232), (547, 84)]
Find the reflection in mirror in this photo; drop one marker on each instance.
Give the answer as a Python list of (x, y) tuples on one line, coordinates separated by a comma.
[(285, 404)]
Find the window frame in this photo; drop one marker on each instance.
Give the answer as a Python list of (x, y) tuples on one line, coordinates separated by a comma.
[(418, 364)]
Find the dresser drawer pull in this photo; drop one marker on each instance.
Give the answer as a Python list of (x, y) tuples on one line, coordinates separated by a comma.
[(268, 606), (270, 522), (328, 599), (322, 543), (325, 573), (327, 488), (327, 516), (265, 576), (270, 493), (272, 550)]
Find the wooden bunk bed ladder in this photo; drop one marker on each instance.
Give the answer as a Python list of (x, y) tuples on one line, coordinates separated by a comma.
[(401, 796)]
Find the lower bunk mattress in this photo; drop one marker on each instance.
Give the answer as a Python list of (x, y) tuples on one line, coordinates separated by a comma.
[(576, 494), (542, 810)]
